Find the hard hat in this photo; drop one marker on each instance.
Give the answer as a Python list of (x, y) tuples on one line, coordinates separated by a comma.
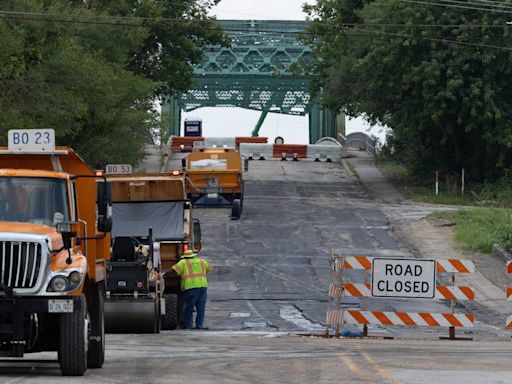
[(188, 253)]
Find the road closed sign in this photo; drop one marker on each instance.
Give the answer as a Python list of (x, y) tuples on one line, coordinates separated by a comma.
[(410, 278)]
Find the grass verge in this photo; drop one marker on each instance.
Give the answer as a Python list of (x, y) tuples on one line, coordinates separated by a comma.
[(477, 229), (498, 194)]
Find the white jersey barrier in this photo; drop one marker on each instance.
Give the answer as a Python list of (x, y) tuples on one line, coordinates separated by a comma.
[(256, 151), (220, 142), (315, 152), (318, 152), (392, 278)]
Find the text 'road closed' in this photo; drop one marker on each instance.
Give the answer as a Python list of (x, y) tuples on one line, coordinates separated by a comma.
[(403, 278)]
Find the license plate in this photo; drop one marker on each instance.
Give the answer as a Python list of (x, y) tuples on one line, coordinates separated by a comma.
[(212, 195), (60, 306)]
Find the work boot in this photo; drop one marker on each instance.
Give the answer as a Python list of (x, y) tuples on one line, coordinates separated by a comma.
[(203, 328)]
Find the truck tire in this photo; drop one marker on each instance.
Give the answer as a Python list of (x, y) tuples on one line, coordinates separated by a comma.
[(242, 191), (171, 319), (73, 341), (236, 209), (96, 351)]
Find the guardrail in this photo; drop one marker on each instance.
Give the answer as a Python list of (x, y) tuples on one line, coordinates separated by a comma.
[(394, 278), (361, 141)]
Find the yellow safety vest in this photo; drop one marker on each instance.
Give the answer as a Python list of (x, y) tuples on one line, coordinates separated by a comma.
[(193, 272)]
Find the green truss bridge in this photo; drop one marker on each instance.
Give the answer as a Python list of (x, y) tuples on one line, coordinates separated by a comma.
[(258, 72)]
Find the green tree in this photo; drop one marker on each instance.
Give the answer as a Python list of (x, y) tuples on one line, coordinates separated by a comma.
[(438, 76), (93, 72)]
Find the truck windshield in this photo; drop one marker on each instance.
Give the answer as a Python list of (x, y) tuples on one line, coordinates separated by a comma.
[(35, 200)]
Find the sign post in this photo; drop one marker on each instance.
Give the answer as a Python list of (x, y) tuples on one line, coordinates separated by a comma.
[(406, 278)]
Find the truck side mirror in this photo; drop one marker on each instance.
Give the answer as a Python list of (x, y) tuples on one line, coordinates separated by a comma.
[(197, 235), (104, 197), (246, 165), (104, 224)]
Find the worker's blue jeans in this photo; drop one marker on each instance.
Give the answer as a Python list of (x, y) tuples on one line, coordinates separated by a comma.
[(195, 297)]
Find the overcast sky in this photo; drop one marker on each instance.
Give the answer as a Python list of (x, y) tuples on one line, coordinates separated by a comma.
[(220, 122)]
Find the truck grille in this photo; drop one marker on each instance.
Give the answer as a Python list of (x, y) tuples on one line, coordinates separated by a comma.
[(20, 263)]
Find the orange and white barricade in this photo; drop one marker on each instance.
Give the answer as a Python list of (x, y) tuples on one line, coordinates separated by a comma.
[(509, 294), (365, 317)]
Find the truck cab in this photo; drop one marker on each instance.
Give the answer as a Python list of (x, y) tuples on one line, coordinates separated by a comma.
[(54, 244)]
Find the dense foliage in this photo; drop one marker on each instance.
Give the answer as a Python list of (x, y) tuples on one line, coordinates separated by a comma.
[(438, 76), (92, 69)]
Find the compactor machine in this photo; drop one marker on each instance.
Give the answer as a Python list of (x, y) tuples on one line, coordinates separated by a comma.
[(216, 178), (152, 227)]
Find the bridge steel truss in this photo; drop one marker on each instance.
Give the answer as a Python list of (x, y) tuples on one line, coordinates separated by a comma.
[(259, 72)]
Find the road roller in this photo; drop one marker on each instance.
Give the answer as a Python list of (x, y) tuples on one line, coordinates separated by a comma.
[(152, 226), (215, 176)]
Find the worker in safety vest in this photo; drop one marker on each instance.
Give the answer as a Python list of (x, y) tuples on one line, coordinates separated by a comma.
[(194, 285)]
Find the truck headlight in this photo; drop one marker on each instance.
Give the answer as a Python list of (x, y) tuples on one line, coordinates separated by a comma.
[(66, 280), (75, 277), (59, 284)]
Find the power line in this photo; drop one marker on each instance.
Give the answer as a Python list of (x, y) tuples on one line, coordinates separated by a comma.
[(458, 6), (295, 33), (337, 27), (484, 3), (69, 18)]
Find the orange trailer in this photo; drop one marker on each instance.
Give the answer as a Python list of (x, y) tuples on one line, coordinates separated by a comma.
[(215, 176)]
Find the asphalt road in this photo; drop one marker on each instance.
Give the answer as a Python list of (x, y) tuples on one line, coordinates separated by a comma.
[(271, 267), (270, 279), (226, 357)]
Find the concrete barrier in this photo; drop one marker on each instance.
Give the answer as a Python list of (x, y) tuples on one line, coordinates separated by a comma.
[(220, 142), (256, 140), (318, 152), (256, 151), (294, 151)]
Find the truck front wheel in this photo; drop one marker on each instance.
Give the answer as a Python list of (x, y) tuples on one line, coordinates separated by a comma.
[(74, 329), (96, 350)]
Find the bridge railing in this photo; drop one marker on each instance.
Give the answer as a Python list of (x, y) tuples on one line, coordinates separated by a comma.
[(361, 141)]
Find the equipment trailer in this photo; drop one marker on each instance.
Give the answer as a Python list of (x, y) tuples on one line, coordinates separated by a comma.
[(215, 176)]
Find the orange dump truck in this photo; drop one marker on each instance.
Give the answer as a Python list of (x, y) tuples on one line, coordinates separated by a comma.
[(215, 176), (54, 245), (152, 227)]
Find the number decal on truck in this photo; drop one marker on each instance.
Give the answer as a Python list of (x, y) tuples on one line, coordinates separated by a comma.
[(118, 169), (31, 140)]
